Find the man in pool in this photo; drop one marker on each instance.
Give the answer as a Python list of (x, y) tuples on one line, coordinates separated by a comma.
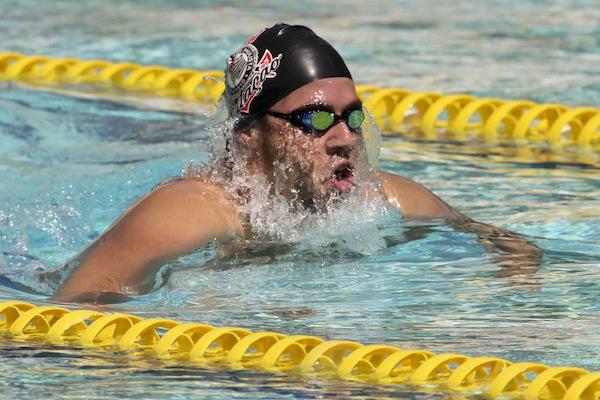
[(298, 124)]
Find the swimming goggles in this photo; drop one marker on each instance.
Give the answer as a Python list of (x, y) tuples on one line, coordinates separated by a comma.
[(317, 121)]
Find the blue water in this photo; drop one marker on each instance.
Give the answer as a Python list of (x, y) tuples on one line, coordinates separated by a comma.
[(71, 164)]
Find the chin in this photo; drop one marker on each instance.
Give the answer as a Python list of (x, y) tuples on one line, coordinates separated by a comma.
[(319, 191), (330, 192)]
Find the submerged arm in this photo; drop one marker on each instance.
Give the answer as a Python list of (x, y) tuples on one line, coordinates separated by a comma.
[(515, 254), (169, 222), (512, 252)]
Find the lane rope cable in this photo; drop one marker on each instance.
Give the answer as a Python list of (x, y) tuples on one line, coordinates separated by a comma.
[(460, 117), (239, 348)]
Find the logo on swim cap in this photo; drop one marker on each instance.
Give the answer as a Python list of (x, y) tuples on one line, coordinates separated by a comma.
[(246, 74), (239, 65)]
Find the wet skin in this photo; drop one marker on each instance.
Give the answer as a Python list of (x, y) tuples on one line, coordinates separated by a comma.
[(189, 213)]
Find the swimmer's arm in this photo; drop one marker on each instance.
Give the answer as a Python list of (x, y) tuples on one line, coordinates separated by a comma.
[(515, 254), (169, 222), (509, 250)]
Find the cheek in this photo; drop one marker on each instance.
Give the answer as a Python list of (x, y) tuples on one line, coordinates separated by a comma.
[(297, 149)]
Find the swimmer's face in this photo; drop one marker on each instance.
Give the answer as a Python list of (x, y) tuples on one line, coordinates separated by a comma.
[(312, 167)]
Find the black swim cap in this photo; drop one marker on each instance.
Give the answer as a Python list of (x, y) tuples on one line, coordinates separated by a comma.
[(274, 63)]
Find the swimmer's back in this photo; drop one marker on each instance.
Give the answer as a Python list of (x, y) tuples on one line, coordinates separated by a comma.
[(172, 220)]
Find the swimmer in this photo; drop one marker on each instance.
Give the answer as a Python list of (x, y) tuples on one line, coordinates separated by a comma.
[(298, 123)]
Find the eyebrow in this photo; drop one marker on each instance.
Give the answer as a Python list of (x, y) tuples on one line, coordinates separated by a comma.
[(327, 107)]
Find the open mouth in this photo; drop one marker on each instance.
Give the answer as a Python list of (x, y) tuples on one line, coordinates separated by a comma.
[(343, 178), (343, 172)]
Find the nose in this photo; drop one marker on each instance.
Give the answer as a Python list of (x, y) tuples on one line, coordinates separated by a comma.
[(340, 140)]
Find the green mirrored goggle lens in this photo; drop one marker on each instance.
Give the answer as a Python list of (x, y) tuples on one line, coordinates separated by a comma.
[(322, 120), (355, 119)]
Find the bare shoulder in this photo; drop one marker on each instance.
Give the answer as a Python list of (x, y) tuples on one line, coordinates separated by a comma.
[(413, 199), (174, 219), (191, 202), (189, 190)]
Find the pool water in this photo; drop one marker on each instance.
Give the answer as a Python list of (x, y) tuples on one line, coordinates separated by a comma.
[(71, 164)]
